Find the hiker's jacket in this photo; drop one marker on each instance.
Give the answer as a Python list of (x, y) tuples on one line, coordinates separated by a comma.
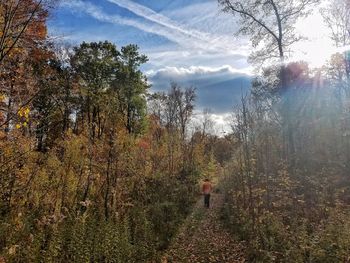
[(206, 188)]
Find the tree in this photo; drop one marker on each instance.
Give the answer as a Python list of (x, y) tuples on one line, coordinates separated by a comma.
[(17, 88), (337, 17), (207, 123), (96, 66), (22, 36), (179, 107), (269, 22), (22, 23), (132, 86), (338, 74), (183, 101), (54, 102)]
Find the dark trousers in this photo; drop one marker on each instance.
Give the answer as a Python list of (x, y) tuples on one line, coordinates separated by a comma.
[(206, 200)]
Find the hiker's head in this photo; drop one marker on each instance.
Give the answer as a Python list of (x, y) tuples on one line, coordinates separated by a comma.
[(206, 180)]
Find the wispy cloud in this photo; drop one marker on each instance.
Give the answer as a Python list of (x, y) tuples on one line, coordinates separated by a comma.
[(97, 13), (207, 40), (160, 25), (160, 58), (160, 19)]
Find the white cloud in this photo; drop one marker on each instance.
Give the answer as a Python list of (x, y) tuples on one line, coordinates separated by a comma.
[(221, 123), (198, 70), (194, 74), (218, 88)]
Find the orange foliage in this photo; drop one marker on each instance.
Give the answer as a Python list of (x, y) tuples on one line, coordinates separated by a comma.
[(25, 21), (143, 145)]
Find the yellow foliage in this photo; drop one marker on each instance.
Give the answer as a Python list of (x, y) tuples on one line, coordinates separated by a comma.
[(24, 112)]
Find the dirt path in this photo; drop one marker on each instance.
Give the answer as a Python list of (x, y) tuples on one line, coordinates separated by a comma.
[(202, 238)]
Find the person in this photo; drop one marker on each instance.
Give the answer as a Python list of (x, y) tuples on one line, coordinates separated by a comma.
[(206, 190)]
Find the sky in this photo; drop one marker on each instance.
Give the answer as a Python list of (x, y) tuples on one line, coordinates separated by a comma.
[(190, 42)]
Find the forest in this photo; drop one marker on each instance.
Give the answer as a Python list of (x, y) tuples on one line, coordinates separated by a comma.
[(96, 167)]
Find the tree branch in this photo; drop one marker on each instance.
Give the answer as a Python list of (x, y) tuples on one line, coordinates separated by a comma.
[(246, 13)]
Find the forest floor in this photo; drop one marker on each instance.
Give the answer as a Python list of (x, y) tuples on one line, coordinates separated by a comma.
[(202, 238)]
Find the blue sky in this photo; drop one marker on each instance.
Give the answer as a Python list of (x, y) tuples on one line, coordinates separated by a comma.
[(171, 32), (190, 42)]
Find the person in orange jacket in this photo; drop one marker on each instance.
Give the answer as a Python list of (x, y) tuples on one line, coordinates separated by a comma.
[(206, 190)]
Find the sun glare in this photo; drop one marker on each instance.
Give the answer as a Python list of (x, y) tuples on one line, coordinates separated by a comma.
[(317, 46)]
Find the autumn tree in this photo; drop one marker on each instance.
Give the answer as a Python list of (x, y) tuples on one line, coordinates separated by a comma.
[(22, 23), (17, 88), (55, 101), (22, 42)]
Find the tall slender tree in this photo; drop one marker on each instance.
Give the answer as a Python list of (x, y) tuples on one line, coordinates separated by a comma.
[(132, 86)]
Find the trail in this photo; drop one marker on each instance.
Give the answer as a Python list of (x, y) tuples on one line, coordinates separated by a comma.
[(202, 238)]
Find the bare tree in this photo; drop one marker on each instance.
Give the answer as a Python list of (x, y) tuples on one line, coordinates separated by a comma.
[(269, 22), (180, 107), (337, 17), (207, 124)]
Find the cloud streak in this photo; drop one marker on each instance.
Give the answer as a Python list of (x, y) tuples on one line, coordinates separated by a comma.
[(161, 25), (210, 41), (160, 19), (153, 16), (97, 13), (189, 46)]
